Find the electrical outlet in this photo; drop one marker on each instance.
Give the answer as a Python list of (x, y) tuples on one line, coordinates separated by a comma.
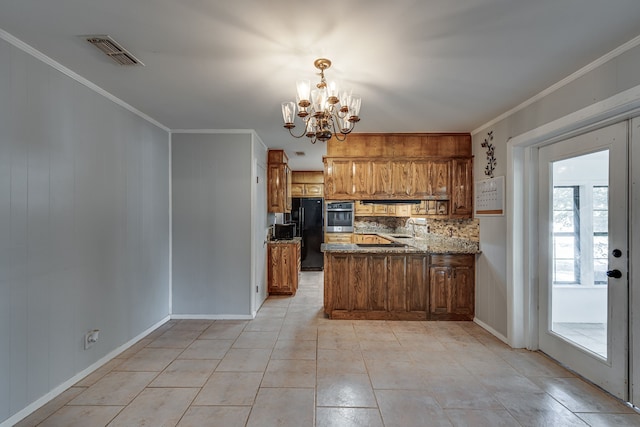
[(90, 338)]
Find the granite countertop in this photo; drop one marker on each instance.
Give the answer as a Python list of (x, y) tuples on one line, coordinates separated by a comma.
[(284, 241), (433, 244)]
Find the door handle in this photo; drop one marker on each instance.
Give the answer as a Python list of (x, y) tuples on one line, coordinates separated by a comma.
[(616, 274)]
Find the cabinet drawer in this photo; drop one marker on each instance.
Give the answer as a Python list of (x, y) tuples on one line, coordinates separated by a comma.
[(338, 237), (452, 260)]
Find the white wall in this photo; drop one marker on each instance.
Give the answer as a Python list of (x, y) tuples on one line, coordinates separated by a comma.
[(84, 227), (612, 77), (212, 178)]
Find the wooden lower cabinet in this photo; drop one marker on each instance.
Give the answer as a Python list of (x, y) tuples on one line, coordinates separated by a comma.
[(283, 267), (452, 287), (398, 286), (376, 286)]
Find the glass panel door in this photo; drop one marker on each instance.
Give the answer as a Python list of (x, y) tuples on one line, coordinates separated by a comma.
[(583, 255)]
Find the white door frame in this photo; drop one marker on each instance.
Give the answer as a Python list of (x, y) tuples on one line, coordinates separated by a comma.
[(521, 191)]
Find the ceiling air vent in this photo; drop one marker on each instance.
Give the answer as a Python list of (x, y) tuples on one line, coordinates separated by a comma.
[(113, 50), (300, 153)]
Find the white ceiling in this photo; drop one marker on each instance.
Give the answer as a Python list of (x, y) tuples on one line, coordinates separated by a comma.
[(420, 66)]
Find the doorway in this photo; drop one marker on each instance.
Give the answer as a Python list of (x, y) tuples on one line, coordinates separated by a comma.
[(583, 255)]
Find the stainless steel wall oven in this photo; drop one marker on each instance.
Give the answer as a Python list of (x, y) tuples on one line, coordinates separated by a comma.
[(339, 217)]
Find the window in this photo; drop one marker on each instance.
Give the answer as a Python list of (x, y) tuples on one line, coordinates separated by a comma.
[(600, 233), (580, 234), (566, 235)]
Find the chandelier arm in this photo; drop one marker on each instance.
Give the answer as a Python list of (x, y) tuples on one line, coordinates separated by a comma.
[(304, 132), (337, 132)]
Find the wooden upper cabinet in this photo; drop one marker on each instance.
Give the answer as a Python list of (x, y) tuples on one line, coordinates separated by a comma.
[(430, 179), (288, 204), (380, 178), (360, 179), (439, 179), (401, 179), (278, 182), (307, 184), (361, 209), (338, 179), (461, 188), (297, 189), (402, 167)]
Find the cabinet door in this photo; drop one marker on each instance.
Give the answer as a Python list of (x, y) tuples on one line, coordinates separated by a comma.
[(378, 270), (397, 283), (464, 285), (287, 189), (420, 209), (420, 179), (429, 179), (361, 178), (439, 179), (363, 210), (417, 283), (297, 190), (277, 183), (313, 190), (401, 178), (381, 179), (461, 188), (403, 210), (379, 209), (336, 291), (338, 183), (440, 295)]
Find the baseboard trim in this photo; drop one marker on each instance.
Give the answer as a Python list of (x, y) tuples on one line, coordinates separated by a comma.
[(491, 330), (31, 408), (212, 317)]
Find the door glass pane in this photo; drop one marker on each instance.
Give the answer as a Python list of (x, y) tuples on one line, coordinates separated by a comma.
[(580, 250)]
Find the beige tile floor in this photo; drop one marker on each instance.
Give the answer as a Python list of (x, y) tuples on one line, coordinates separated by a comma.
[(292, 367)]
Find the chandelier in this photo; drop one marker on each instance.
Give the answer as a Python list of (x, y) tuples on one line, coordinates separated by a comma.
[(325, 111)]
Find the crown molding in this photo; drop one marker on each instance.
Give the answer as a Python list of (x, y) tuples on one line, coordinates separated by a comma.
[(9, 38), (570, 78)]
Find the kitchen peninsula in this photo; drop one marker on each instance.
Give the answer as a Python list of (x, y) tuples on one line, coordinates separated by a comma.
[(408, 278)]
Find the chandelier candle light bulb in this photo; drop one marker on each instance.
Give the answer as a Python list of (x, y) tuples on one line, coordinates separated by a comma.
[(326, 111)]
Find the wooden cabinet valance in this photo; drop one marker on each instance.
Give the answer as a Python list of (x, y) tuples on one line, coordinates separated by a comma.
[(307, 184)]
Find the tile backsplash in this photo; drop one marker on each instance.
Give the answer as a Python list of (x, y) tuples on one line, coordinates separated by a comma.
[(461, 228)]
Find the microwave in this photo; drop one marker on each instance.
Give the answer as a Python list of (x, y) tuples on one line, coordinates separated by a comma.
[(284, 231)]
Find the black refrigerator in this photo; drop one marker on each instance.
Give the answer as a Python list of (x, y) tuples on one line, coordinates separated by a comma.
[(307, 215)]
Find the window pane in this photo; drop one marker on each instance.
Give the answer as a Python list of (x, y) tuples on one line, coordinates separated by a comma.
[(564, 271), (563, 221), (601, 198), (563, 198), (600, 270), (564, 247), (600, 246), (600, 221)]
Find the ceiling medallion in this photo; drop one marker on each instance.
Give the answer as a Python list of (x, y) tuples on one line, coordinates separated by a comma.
[(325, 111)]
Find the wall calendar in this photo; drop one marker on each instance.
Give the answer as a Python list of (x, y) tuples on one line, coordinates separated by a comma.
[(490, 197)]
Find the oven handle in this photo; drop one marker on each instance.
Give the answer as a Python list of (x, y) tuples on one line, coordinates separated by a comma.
[(339, 210)]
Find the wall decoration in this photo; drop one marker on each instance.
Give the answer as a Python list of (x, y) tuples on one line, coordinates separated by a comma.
[(490, 197), (491, 158)]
